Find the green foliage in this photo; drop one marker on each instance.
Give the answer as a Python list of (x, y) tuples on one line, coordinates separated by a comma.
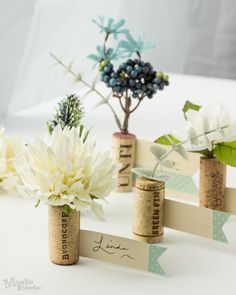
[(37, 204), (83, 133), (206, 153), (67, 209), (69, 113), (165, 141), (225, 153), (190, 106)]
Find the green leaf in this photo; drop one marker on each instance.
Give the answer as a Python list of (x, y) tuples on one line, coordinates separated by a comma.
[(86, 136), (50, 128), (164, 140), (81, 128), (37, 204), (225, 153), (67, 209), (157, 151), (206, 152), (190, 106)]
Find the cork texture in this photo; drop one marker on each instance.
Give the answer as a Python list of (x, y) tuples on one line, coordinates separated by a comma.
[(123, 149), (212, 184), (63, 234), (148, 210)]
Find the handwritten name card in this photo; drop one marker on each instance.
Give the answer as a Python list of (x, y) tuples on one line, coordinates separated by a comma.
[(121, 251)]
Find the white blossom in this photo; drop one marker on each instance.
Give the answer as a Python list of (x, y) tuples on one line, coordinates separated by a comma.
[(10, 148), (62, 169), (210, 125)]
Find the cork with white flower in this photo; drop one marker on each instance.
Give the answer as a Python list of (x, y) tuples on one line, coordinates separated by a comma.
[(209, 131), (66, 172)]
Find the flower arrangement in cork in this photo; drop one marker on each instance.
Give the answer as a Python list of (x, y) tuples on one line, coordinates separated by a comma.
[(132, 80), (64, 168), (208, 130)]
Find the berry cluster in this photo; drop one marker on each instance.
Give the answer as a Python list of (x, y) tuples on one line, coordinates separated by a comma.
[(135, 75)]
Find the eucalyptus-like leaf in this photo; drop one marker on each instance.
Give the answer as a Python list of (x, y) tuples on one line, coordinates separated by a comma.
[(69, 67), (78, 77), (165, 141), (148, 174), (190, 106), (182, 151), (166, 163), (157, 151)]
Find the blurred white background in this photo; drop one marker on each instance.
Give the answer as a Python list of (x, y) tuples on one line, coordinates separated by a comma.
[(192, 37)]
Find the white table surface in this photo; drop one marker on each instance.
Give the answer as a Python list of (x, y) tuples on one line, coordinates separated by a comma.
[(193, 265)]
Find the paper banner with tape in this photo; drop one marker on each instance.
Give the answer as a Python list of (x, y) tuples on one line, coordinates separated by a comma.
[(119, 250), (181, 184), (195, 220)]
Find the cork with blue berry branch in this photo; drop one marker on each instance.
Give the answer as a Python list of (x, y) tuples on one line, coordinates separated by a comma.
[(130, 83)]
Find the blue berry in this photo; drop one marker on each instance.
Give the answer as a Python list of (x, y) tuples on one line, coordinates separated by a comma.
[(134, 73), (129, 69), (112, 82), (107, 69), (106, 78), (132, 82)]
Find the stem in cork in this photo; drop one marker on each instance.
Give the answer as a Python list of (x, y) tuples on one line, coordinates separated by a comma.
[(175, 147)]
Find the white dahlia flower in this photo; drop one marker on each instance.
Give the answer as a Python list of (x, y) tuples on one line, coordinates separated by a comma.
[(62, 170), (10, 148)]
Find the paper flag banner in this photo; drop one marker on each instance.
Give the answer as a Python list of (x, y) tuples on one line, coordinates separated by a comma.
[(121, 251), (181, 184), (195, 220)]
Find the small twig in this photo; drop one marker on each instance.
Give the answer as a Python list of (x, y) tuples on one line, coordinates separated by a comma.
[(137, 105), (89, 86)]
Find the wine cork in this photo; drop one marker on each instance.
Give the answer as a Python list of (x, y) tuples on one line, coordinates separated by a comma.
[(63, 234), (212, 184), (124, 153), (148, 210)]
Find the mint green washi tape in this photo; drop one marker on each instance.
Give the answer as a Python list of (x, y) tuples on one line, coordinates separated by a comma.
[(154, 253), (219, 219), (178, 182), (181, 183)]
